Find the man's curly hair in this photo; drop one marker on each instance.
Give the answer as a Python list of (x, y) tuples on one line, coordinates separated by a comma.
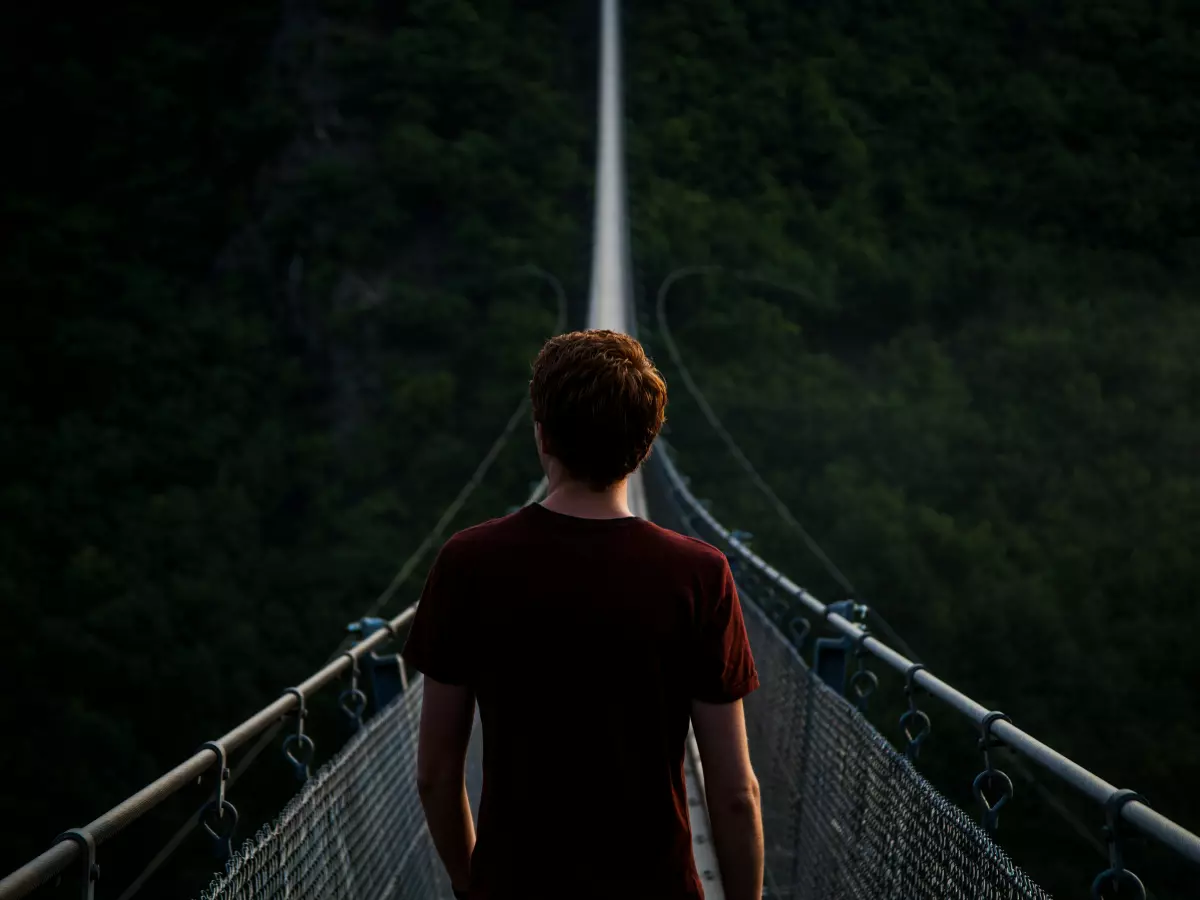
[(600, 403)]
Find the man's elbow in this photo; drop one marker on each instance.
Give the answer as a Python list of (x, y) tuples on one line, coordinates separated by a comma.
[(743, 801), (435, 782)]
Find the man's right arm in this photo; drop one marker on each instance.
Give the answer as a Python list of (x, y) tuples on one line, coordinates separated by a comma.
[(731, 789)]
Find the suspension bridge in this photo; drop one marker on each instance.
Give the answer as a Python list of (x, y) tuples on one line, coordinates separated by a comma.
[(845, 813)]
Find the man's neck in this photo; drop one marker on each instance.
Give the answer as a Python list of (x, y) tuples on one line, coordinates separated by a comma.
[(572, 498)]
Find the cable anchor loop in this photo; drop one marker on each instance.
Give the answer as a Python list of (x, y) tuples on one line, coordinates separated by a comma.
[(915, 723), (863, 682), (990, 777), (352, 701), (220, 828), (798, 629), (1116, 877), (298, 748)]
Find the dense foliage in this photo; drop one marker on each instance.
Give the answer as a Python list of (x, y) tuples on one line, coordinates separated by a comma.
[(981, 398), (261, 326), (262, 323)]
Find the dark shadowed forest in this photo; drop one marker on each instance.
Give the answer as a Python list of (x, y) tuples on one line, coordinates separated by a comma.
[(263, 317)]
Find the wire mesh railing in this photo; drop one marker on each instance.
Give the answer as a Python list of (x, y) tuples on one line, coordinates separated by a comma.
[(77, 848), (996, 729), (845, 814), (355, 830)]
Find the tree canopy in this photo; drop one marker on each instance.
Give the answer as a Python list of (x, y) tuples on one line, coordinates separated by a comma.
[(980, 395), (265, 317)]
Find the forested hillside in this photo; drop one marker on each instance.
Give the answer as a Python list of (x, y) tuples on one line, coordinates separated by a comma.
[(981, 397), (261, 325), (262, 321)]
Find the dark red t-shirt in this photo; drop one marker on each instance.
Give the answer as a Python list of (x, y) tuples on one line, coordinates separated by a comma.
[(585, 641)]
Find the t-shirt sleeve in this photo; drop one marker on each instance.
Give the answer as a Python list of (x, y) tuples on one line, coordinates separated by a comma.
[(723, 666), (440, 640)]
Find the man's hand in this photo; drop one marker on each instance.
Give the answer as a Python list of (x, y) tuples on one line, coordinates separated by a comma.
[(447, 714)]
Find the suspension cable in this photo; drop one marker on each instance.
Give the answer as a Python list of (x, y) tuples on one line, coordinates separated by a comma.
[(685, 520), (401, 576), (464, 494), (435, 534), (539, 491), (186, 828), (785, 513), (62, 854), (735, 450), (1170, 833), (268, 721)]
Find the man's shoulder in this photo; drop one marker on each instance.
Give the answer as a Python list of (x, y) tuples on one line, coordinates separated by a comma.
[(690, 548), (476, 537), (681, 557), (511, 533), (668, 544)]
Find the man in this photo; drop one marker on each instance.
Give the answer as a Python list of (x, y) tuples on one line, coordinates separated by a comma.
[(589, 637)]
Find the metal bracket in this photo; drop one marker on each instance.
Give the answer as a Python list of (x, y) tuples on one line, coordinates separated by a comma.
[(385, 672), (742, 537), (227, 816), (991, 775), (863, 682), (831, 657), (1116, 874), (913, 716), (847, 609), (352, 701), (90, 870)]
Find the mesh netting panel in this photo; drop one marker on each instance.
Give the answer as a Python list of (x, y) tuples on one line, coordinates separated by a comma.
[(844, 814), (355, 830)]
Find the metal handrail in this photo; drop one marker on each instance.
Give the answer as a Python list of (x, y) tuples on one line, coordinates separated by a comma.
[(63, 854), (1143, 817)]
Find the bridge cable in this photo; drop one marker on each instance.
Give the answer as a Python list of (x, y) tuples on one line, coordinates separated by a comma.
[(1170, 833), (735, 450), (188, 826), (464, 494), (672, 348), (435, 534), (401, 577)]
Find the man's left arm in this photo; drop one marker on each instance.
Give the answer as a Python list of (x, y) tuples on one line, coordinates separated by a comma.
[(447, 714)]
